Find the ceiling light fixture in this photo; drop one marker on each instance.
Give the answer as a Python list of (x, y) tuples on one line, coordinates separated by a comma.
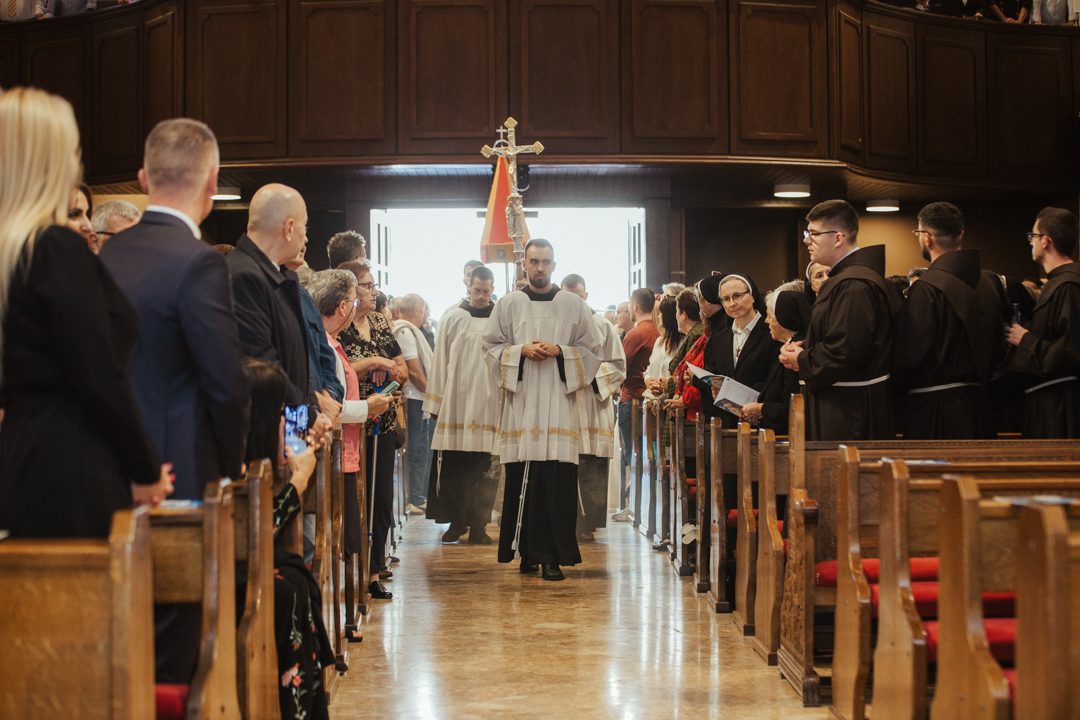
[(883, 205), (227, 193), (791, 190)]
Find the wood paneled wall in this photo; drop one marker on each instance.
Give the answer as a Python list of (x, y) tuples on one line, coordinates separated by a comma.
[(385, 81)]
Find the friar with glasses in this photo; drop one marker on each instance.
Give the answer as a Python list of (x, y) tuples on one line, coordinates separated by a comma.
[(1047, 355), (465, 407), (846, 357), (949, 335), (542, 347)]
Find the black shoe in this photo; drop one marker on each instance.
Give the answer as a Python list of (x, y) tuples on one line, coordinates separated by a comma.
[(394, 560), (552, 572), (527, 568), (585, 537), (453, 533), (378, 592), (479, 539), (660, 547)]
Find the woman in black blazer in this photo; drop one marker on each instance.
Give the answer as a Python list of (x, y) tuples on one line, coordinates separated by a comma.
[(745, 351), (73, 449), (788, 317)]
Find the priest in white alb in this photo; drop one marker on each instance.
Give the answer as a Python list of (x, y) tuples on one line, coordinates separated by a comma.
[(596, 416), (465, 406), (542, 347)]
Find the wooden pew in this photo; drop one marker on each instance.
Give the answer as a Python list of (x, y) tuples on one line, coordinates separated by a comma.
[(256, 651), (723, 460), (812, 535), (336, 623), (651, 452), (1047, 615), (746, 537), (662, 479), (682, 554), (356, 566), (638, 463), (895, 505), (323, 561), (769, 563), (194, 561), (703, 506), (979, 554), (82, 613)]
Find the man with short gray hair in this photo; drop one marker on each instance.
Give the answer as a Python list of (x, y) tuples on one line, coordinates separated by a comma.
[(187, 370), (418, 357), (112, 217)]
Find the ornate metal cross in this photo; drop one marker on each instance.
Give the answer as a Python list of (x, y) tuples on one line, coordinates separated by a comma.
[(515, 210)]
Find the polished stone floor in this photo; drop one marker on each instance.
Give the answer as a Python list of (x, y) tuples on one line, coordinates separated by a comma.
[(621, 637)]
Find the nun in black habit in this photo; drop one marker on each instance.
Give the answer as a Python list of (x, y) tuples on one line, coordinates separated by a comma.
[(788, 317)]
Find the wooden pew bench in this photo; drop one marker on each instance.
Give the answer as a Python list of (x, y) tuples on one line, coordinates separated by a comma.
[(808, 585), (78, 625), (891, 508), (684, 494), (978, 669)]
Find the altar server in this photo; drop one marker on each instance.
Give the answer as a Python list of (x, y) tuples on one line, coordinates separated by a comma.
[(596, 416), (542, 347), (465, 407)]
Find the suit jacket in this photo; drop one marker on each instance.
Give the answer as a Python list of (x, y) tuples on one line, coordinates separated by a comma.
[(271, 320), (758, 356), (73, 441), (187, 368)]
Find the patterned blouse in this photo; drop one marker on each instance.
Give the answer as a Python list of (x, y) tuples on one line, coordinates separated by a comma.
[(286, 507), (382, 344)]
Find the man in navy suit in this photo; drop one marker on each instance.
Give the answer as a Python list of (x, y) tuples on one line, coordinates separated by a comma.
[(187, 367)]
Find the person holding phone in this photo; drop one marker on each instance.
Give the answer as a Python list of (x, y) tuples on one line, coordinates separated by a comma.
[(375, 357)]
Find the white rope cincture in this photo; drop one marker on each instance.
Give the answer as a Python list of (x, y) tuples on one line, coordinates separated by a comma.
[(438, 476), (521, 513)]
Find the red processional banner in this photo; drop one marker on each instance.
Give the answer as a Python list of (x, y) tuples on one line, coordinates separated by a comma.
[(496, 246)]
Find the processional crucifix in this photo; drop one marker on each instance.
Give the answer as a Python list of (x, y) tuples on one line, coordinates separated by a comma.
[(515, 210)]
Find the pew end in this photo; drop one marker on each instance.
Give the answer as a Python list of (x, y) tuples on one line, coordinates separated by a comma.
[(769, 563)]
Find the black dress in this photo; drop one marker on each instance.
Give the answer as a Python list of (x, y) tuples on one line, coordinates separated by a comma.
[(73, 439)]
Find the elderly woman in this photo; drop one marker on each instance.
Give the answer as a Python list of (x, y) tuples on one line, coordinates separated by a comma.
[(74, 449), (375, 357), (334, 294), (816, 274), (744, 351), (788, 318)]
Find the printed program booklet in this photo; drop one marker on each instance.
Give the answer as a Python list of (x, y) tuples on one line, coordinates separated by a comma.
[(731, 395)]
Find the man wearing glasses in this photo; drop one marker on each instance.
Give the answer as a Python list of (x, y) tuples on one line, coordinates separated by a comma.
[(845, 359), (1047, 355), (112, 217), (949, 335)]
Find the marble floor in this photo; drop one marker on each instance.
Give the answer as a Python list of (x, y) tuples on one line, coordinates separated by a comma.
[(621, 637)]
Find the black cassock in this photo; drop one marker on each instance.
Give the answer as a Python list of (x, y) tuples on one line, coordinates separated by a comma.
[(462, 488), (848, 352), (1048, 359), (950, 335), (549, 522)]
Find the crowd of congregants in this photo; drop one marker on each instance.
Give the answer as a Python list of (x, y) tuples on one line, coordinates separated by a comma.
[(141, 363)]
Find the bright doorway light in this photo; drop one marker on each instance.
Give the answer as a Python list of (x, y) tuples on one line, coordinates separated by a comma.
[(431, 246)]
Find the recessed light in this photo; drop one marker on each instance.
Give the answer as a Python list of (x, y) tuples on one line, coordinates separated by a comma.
[(227, 193), (883, 205), (791, 190)]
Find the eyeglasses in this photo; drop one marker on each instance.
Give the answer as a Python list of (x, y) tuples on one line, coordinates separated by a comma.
[(733, 298), (922, 232), (370, 287), (1032, 235), (808, 234)]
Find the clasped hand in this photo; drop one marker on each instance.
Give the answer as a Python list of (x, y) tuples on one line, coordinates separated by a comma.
[(789, 355), (1015, 334), (538, 350)]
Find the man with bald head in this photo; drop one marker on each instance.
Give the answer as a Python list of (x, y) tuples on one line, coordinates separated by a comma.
[(266, 293), (187, 369)]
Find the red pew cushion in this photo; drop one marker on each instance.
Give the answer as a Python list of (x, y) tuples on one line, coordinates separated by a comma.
[(1000, 632), (170, 701), (922, 570), (1010, 677), (692, 483), (995, 604), (733, 520)]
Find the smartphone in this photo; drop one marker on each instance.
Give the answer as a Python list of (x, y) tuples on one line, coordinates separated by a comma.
[(296, 428), (1016, 313), (390, 387)]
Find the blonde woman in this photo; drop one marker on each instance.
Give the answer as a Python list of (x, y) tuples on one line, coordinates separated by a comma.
[(73, 449)]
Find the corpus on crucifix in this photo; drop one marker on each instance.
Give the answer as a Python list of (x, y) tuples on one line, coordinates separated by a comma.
[(515, 210)]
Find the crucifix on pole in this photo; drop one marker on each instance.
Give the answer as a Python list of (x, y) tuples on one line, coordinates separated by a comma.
[(515, 210)]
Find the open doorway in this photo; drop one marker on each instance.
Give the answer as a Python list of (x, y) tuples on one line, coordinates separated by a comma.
[(424, 250)]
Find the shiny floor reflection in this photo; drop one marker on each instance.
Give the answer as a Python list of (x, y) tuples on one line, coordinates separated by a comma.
[(621, 637)]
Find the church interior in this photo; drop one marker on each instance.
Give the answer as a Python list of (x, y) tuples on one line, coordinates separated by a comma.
[(752, 573)]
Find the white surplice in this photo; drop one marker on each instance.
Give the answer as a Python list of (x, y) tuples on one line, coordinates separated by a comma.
[(596, 414), (539, 417), (460, 390)]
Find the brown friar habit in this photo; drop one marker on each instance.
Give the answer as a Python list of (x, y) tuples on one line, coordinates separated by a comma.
[(950, 335), (848, 352), (1048, 358)]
